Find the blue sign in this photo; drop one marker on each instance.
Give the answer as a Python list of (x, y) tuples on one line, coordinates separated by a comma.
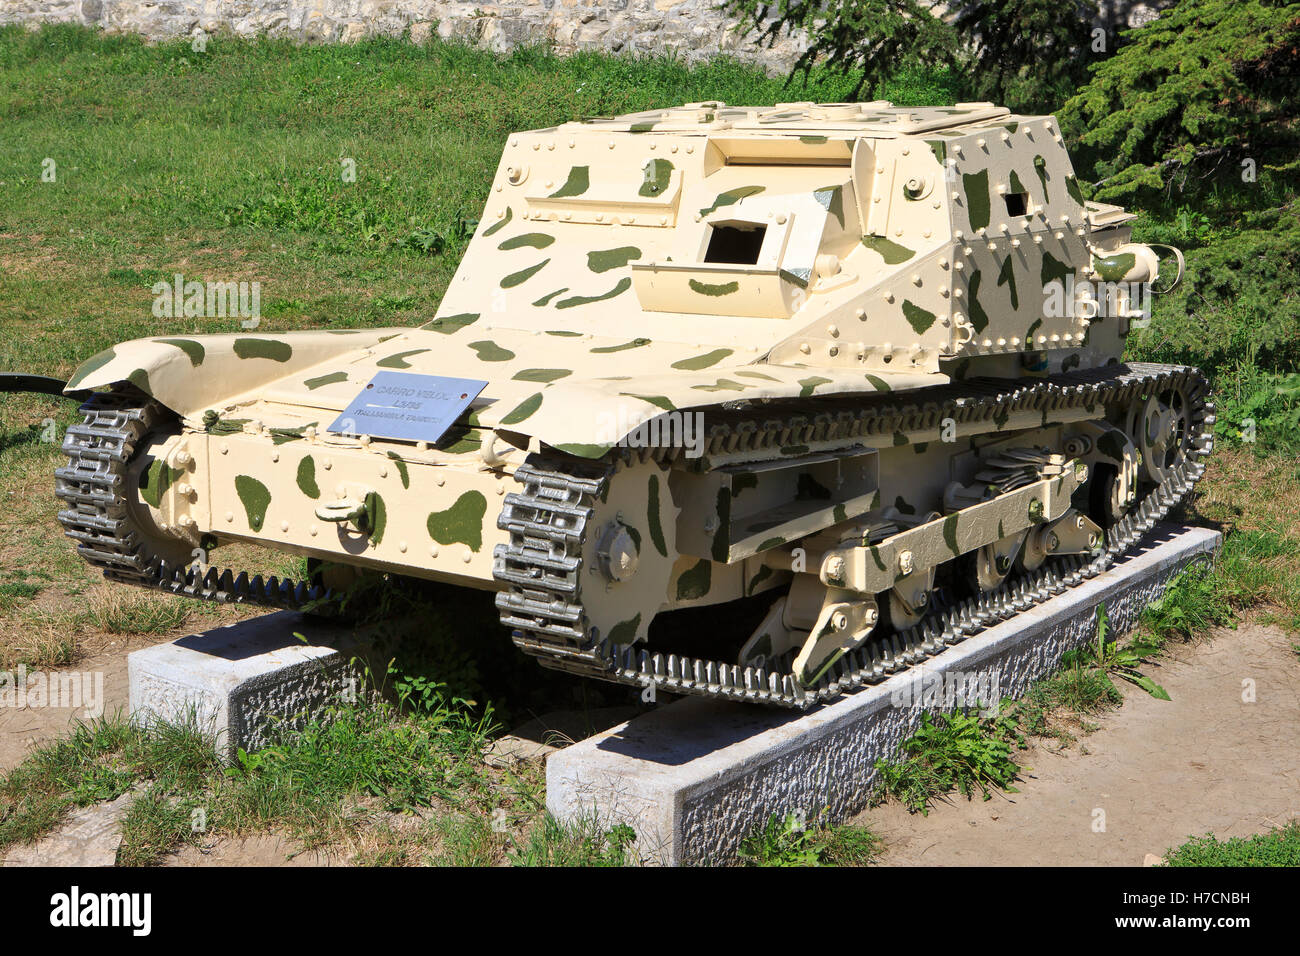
[(408, 406)]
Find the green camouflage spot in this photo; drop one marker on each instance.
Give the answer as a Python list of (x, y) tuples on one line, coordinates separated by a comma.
[(496, 227), (722, 507), (766, 378), (1033, 328), (657, 176), (1114, 268), (901, 504), (1054, 270), (605, 259), (652, 517), (1040, 167), (491, 352), (644, 126), (976, 186), (190, 347), (979, 319), (92, 364), (156, 479), (832, 197), (1071, 361), (1001, 417), (540, 374), (307, 477), (1074, 189), (950, 532), (544, 300), (703, 361), (722, 385), (140, 379), (402, 471), (399, 359), (791, 451), (891, 252), (809, 385), (918, 318), (878, 383), (330, 379), (256, 499), (659, 401), (695, 582), (579, 182), (376, 517), (769, 543), (624, 632), (939, 148), (1016, 185), (875, 556), (634, 344), (453, 323), (623, 285), (581, 450), (812, 140), (1011, 127), (460, 440), (280, 436), (1112, 445), (523, 275), (713, 289), (731, 197), (462, 523), (763, 573), (531, 240), (900, 439), (743, 481), (264, 349), (523, 410), (1007, 277)]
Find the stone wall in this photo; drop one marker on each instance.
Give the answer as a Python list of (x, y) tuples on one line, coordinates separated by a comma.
[(694, 28)]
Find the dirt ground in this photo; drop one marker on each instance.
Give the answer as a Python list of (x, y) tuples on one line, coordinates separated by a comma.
[(23, 727), (1155, 773)]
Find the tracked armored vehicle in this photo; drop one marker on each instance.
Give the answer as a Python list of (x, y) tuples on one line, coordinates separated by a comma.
[(856, 365)]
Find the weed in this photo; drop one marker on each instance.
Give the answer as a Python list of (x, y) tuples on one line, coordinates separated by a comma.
[(954, 751)]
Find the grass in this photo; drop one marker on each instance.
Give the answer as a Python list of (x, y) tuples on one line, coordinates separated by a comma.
[(371, 783), (791, 841), (1279, 847)]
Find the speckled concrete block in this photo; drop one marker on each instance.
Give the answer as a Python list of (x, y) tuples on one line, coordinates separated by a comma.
[(694, 777), (237, 680)]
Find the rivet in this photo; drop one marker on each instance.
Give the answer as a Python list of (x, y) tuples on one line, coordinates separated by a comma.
[(401, 546), (468, 556), (230, 516), (284, 526)]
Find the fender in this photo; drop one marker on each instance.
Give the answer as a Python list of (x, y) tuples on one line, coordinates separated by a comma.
[(190, 374)]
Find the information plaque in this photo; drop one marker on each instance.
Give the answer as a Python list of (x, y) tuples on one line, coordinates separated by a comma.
[(407, 406)]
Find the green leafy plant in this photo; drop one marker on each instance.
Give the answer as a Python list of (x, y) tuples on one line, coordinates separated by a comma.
[(954, 751), (1108, 658)]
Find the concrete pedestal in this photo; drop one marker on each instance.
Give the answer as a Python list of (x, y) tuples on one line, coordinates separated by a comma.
[(696, 776), (238, 682)]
